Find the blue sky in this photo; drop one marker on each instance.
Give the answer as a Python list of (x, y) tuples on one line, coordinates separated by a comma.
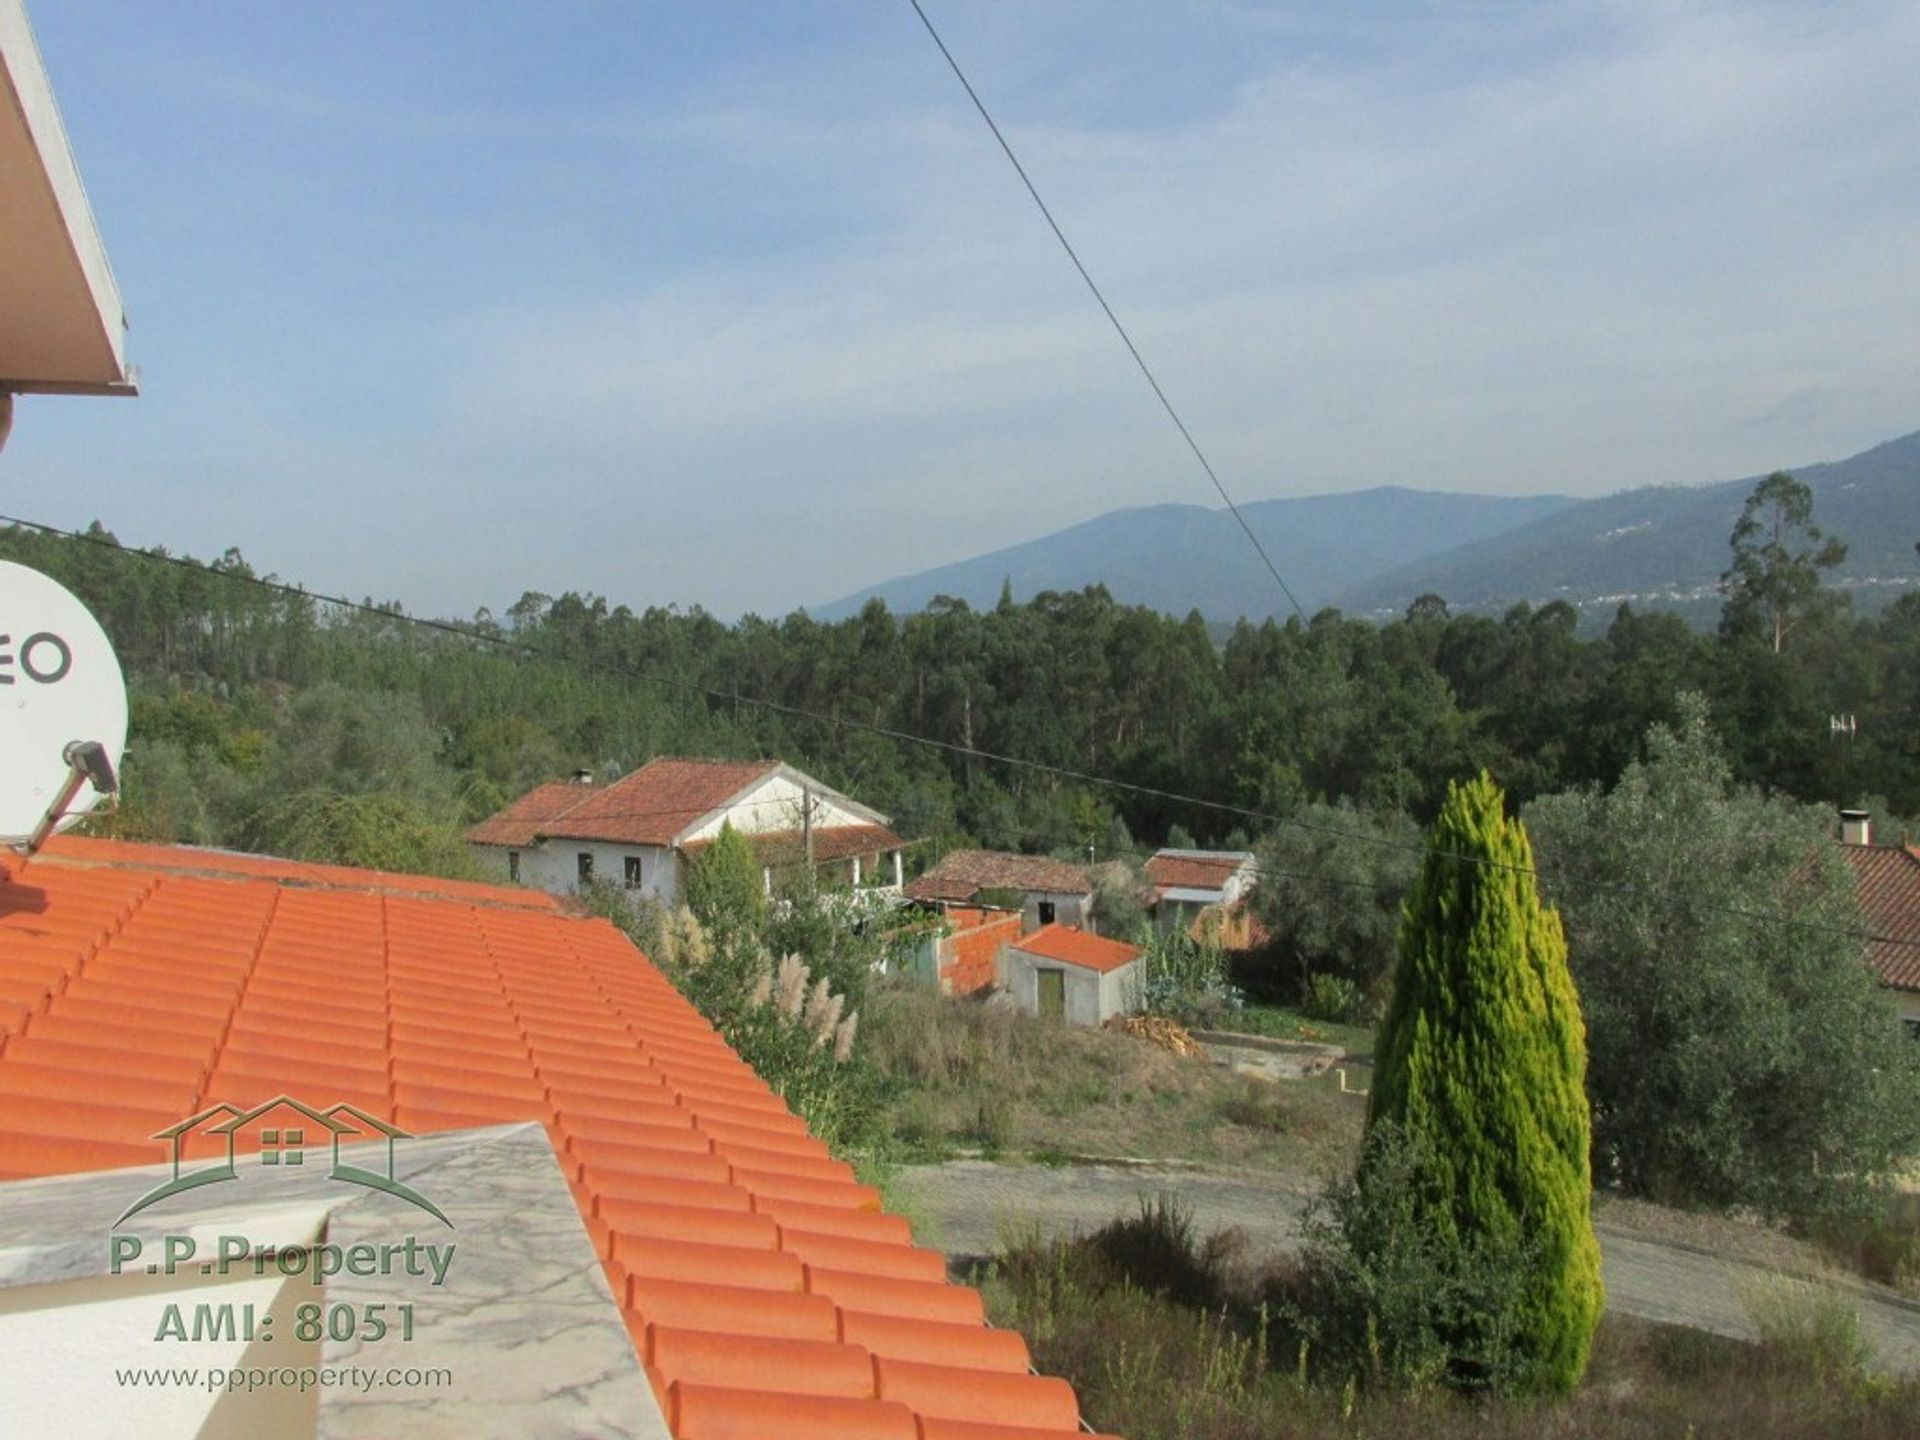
[(737, 304)]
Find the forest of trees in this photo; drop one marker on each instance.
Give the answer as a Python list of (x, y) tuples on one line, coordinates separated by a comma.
[(266, 719)]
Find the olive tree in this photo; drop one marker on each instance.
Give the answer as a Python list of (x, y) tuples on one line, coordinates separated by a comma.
[(1741, 1051)]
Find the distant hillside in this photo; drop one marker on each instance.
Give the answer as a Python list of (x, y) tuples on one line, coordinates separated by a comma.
[(1178, 558), (1665, 547)]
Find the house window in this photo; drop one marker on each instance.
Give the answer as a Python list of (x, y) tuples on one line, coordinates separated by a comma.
[(513, 866), (1046, 912), (632, 866), (585, 861), (1913, 1028)]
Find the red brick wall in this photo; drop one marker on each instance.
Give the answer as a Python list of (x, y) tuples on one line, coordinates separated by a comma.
[(969, 957)]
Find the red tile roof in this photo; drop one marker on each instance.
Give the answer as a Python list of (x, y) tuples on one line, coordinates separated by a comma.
[(527, 818), (649, 807), (1888, 877), (766, 1291), (963, 874), (1194, 870), (1073, 946)]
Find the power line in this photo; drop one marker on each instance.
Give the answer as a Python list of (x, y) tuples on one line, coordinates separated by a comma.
[(1120, 329), (907, 737)]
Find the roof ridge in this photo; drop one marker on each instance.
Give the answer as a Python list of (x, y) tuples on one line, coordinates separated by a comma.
[(379, 882)]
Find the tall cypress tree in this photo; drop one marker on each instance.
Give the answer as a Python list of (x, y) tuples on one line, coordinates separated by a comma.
[(1481, 1067)]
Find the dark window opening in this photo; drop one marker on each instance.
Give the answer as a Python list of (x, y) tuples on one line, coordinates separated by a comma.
[(1046, 912), (513, 865), (585, 861), (632, 864)]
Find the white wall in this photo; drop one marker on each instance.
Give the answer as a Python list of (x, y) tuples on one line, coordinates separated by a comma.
[(65, 1340), (1067, 909), (1120, 990), (1020, 974), (554, 866), (778, 803), (1907, 1002)]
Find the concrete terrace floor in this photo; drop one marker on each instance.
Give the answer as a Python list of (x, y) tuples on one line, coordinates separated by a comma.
[(971, 1204)]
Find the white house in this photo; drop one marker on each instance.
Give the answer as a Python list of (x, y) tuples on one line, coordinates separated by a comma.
[(1068, 974), (643, 831)]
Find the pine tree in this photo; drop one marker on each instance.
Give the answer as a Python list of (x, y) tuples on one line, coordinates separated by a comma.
[(1481, 1066)]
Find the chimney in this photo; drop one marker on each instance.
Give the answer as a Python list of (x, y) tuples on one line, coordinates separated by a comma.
[(583, 777), (1856, 827)]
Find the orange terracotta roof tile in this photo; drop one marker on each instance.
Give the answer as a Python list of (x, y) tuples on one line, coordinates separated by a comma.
[(715, 1412), (649, 807), (1888, 880), (727, 1310), (977, 1347), (1196, 869), (963, 874), (960, 1392), (935, 1429), (150, 862), (1073, 946), (766, 1291)]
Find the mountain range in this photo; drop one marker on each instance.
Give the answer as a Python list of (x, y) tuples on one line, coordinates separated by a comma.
[(1371, 552)]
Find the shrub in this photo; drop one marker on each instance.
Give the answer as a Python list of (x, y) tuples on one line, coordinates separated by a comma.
[(1157, 1250), (1386, 1297), (1186, 979), (1882, 1247), (1219, 1364), (798, 1035), (1117, 908), (992, 1125), (1332, 998), (725, 890), (1808, 1331), (643, 919), (916, 1125), (1480, 1069)]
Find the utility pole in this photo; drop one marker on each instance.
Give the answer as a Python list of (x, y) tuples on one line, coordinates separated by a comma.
[(806, 828)]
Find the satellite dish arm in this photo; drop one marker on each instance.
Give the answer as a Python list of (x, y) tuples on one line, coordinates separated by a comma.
[(87, 761)]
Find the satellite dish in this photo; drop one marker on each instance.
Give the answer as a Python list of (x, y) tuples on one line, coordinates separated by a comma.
[(63, 708)]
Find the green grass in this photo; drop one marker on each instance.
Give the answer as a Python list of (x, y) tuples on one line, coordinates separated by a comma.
[(1280, 1023)]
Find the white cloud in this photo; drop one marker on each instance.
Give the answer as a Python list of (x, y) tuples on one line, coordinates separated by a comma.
[(1496, 248), (1598, 270)]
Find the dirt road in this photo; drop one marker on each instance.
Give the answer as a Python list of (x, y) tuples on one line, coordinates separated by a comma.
[(969, 1204)]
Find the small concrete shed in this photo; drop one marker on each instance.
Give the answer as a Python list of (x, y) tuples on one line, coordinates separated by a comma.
[(1062, 971)]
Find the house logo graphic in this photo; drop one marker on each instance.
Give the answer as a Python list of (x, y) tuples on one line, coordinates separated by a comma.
[(283, 1127)]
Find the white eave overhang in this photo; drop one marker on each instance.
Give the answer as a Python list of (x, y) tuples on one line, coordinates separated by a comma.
[(62, 330), (1189, 896)]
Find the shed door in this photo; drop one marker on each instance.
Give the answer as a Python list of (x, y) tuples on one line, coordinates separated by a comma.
[(1053, 993)]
